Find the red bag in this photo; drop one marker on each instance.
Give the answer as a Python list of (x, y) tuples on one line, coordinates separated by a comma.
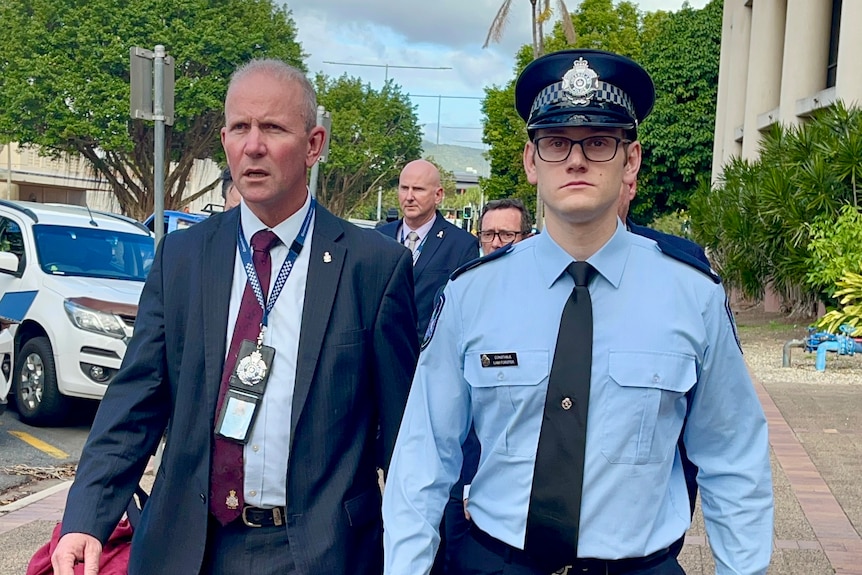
[(114, 559), (115, 552)]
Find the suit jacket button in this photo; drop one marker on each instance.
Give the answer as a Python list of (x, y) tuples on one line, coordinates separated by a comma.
[(203, 497)]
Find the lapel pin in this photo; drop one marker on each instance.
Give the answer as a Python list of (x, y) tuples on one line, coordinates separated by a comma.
[(440, 234), (326, 257)]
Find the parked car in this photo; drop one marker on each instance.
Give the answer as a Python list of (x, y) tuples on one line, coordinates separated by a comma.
[(88, 269), (175, 220)]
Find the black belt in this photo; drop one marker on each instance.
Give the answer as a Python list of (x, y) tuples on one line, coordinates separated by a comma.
[(259, 517), (579, 567)]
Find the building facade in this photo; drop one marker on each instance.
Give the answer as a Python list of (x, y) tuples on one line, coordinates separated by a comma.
[(780, 61)]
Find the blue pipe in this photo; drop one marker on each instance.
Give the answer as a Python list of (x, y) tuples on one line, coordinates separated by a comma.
[(820, 362)]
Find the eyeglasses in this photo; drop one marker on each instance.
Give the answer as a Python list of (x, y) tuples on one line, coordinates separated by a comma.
[(505, 236), (595, 148)]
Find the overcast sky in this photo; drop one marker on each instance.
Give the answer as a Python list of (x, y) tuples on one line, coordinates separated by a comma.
[(433, 34)]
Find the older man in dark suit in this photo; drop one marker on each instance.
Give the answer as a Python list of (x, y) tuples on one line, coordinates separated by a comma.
[(272, 404), (438, 247)]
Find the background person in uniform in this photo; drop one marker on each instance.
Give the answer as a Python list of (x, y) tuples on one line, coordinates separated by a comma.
[(438, 247), (229, 193), (345, 349), (558, 403)]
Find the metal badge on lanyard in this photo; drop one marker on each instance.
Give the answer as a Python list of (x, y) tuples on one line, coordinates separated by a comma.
[(254, 360)]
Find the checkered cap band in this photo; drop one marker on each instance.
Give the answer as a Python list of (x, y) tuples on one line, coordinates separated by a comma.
[(554, 94)]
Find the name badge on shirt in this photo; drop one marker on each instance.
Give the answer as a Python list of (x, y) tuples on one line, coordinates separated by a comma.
[(508, 359), (245, 394)]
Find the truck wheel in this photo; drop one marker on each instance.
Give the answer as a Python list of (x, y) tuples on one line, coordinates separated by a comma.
[(37, 396)]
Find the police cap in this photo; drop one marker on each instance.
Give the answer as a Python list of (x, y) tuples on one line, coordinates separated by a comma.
[(584, 88)]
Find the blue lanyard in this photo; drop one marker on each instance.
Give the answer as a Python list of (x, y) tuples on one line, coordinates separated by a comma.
[(418, 251), (286, 267)]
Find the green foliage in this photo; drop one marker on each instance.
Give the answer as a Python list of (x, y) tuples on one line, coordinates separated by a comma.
[(835, 248), (65, 82), (680, 50), (756, 222), (682, 57), (850, 306), (374, 133), (677, 223)]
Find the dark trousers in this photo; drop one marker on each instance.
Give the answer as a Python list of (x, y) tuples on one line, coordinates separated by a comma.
[(479, 559), (235, 549), (454, 531)]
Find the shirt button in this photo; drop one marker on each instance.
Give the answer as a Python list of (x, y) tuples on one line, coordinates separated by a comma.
[(255, 448), (656, 378), (252, 492), (500, 376), (566, 403)]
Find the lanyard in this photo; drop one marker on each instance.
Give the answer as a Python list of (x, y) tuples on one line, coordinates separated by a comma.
[(286, 267), (418, 251)]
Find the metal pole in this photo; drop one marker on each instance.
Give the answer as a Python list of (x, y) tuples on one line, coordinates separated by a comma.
[(439, 100), (379, 202), (315, 169), (159, 143), (9, 171)]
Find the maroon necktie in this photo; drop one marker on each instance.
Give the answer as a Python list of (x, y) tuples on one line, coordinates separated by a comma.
[(226, 476)]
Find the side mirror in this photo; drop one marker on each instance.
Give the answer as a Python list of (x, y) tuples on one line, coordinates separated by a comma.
[(8, 262)]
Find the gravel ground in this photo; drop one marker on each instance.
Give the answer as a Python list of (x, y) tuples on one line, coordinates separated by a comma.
[(763, 337)]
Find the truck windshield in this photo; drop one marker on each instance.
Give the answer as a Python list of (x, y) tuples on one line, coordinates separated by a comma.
[(97, 253)]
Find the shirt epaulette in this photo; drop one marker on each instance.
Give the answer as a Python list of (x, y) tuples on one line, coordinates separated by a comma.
[(479, 261), (686, 258)]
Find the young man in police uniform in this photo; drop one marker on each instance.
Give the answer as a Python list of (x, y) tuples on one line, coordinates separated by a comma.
[(578, 420)]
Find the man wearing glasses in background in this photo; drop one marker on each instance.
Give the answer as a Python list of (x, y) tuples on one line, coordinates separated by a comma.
[(503, 222)]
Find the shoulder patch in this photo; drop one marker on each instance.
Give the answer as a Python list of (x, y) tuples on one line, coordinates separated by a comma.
[(686, 258), (435, 316), (479, 261)]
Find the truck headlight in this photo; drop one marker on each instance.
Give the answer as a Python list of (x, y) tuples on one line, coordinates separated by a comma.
[(93, 320)]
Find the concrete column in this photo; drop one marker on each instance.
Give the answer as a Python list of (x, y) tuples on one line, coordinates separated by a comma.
[(732, 76), (848, 81), (806, 54), (764, 68)]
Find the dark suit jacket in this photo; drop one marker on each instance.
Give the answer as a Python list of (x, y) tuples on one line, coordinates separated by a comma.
[(357, 352), (446, 248)]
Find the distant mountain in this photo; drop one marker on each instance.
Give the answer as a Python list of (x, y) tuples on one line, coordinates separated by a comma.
[(457, 158)]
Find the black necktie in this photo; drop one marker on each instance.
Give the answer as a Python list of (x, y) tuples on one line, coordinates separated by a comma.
[(558, 478)]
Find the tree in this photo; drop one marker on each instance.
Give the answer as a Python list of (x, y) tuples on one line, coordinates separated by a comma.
[(682, 57), (540, 13), (777, 220), (374, 133), (65, 82)]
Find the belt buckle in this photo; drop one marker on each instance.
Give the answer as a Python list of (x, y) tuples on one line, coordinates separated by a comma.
[(245, 519)]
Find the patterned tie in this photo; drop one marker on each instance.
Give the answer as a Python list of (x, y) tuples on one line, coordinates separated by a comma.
[(555, 499), (226, 477), (412, 238)]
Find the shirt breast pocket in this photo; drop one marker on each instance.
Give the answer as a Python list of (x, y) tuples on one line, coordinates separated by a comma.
[(643, 405), (508, 400)]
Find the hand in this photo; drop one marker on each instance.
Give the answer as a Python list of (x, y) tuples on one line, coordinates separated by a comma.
[(466, 513), (76, 548)]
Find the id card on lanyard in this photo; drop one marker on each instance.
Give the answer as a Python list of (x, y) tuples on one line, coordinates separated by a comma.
[(254, 360)]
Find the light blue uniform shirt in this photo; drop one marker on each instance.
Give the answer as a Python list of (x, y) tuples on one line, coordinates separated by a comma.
[(661, 329)]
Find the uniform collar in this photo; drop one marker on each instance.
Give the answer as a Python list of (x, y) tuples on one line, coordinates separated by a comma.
[(609, 261)]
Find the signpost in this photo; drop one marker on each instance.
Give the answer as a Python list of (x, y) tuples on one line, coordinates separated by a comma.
[(152, 98), (324, 119)]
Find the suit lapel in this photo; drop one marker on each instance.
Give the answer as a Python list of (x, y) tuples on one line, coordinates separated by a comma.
[(433, 241), (324, 272), (219, 252)]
